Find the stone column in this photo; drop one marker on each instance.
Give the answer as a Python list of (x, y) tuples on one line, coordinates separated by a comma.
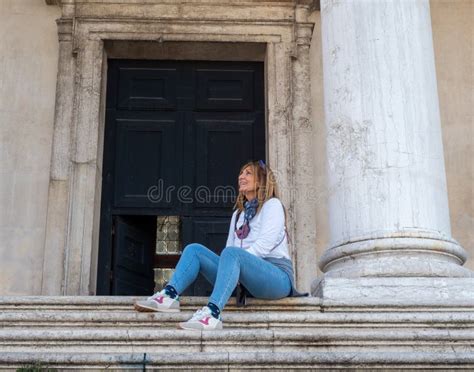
[(390, 236)]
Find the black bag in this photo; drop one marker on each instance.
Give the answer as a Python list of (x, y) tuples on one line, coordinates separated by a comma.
[(240, 295)]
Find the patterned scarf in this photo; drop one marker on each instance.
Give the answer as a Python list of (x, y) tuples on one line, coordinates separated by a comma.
[(250, 209)]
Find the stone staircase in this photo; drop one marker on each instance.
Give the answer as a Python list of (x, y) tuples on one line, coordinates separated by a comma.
[(294, 333)]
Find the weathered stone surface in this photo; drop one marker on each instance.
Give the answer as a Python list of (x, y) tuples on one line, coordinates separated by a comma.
[(383, 128), (243, 361), (303, 212), (346, 339), (389, 215), (126, 303), (270, 317), (398, 292), (68, 331)]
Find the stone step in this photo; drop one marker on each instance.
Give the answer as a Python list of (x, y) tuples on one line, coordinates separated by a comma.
[(106, 303), (103, 312), (69, 331), (89, 340), (239, 361), (236, 319)]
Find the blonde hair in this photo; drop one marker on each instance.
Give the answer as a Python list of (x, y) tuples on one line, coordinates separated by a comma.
[(267, 187)]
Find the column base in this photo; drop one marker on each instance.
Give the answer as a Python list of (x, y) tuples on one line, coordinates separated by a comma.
[(396, 254), (395, 291)]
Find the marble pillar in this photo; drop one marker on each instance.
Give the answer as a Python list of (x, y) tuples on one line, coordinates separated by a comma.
[(390, 236)]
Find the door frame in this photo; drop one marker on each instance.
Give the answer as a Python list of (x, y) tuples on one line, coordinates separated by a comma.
[(90, 33)]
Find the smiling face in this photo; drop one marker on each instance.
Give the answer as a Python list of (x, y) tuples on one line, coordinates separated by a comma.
[(248, 183), (255, 180)]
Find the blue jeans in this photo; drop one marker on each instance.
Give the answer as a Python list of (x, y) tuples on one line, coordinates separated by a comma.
[(261, 278)]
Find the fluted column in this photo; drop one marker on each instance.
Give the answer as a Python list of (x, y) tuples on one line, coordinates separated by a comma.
[(388, 205)]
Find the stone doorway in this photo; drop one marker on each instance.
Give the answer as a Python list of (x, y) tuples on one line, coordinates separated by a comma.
[(275, 33)]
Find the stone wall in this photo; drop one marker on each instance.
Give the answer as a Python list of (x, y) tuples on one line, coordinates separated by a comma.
[(28, 67), (452, 23)]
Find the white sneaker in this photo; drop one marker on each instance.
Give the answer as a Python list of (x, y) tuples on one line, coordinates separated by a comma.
[(202, 320), (160, 301)]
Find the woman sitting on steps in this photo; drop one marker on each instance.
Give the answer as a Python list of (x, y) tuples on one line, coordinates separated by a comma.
[(256, 255)]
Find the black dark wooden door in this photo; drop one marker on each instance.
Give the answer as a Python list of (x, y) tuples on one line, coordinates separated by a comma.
[(176, 135)]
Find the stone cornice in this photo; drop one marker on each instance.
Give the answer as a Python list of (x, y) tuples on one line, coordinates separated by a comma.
[(313, 4), (185, 11), (166, 16), (121, 8)]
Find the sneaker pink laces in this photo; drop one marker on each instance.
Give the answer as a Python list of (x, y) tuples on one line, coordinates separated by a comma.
[(160, 301), (202, 320)]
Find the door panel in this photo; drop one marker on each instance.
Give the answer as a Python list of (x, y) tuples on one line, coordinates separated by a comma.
[(229, 89), (142, 88), (144, 166), (222, 146)]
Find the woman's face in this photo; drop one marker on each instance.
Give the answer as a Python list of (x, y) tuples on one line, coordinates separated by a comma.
[(247, 182)]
